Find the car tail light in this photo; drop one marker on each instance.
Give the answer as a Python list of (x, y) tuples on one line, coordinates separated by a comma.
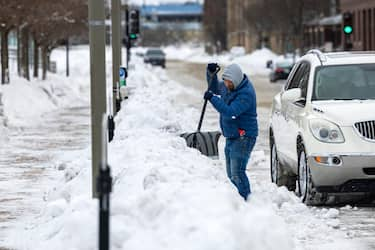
[(279, 70)]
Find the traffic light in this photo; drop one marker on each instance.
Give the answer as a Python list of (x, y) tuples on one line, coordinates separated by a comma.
[(348, 23), (347, 18), (133, 24)]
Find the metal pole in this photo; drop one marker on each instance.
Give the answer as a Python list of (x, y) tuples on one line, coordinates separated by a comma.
[(98, 83), (116, 49), (127, 39), (104, 190), (67, 56)]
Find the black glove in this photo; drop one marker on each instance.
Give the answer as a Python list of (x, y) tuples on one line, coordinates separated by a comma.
[(212, 67), (208, 95)]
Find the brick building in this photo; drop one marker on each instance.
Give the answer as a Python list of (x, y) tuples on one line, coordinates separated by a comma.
[(363, 36)]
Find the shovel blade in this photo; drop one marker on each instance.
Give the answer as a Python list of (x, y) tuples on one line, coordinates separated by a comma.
[(205, 142)]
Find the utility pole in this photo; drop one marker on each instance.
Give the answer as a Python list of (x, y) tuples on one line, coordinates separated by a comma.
[(116, 50), (98, 84)]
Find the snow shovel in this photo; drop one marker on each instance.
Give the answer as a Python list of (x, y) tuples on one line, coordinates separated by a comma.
[(205, 142)]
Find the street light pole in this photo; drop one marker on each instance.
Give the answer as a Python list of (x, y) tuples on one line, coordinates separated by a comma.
[(116, 50), (98, 84)]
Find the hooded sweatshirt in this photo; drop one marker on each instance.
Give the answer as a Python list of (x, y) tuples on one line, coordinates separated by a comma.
[(237, 108)]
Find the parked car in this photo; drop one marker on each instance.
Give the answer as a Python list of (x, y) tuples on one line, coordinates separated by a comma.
[(280, 69), (322, 127), (155, 57)]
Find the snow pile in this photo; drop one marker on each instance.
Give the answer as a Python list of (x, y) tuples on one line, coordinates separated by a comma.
[(255, 63), (252, 64), (26, 101), (3, 120)]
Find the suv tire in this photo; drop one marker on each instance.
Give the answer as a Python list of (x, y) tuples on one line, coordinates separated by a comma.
[(279, 175), (306, 189)]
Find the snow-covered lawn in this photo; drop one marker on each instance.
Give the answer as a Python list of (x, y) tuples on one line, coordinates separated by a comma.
[(167, 196)]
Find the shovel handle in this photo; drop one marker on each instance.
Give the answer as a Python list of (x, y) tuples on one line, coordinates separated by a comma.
[(205, 101)]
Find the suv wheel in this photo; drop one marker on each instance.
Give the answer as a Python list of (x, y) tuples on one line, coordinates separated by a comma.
[(306, 188), (279, 175)]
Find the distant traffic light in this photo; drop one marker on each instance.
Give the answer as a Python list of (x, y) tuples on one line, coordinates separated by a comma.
[(347, 23), (133, 24)]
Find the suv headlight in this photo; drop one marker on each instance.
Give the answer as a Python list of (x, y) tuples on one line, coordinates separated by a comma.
[(326, 131)]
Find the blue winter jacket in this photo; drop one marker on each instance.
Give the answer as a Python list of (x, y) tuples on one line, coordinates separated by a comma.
[(237, 108)]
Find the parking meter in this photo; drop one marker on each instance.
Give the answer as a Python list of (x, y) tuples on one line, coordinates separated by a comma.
[(123, 75)]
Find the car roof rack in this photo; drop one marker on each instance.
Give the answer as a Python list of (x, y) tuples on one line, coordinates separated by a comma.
[(322, 58)]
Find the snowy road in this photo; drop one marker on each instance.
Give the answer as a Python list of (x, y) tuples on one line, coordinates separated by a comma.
[(32, 160), (357, 222)]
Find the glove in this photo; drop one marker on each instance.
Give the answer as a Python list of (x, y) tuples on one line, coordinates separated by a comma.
[(212, 67), (208, 95)]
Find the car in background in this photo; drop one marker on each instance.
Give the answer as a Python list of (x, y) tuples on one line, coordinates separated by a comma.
[(322, 128), (155, 57), (280, 69)]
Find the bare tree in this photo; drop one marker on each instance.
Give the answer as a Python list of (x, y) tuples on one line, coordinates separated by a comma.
[(8, 14), (285, 17), (47, 23), (49, 31)]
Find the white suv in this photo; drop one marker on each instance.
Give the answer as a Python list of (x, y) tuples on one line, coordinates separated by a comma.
[(322, 127)]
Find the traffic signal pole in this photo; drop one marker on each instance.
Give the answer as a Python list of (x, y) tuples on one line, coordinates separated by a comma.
[(98, 83), (101, 178), (127, 39), (116, 50)]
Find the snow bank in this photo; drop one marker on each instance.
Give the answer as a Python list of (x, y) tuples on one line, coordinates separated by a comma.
[(252, 64), (25, 102)]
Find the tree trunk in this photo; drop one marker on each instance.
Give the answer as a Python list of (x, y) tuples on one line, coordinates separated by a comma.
[(19, 51), (44, 62), (25, 54), (4, 57), (36, 59)]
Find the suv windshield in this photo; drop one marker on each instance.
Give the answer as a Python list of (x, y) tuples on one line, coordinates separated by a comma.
[(344, 82)]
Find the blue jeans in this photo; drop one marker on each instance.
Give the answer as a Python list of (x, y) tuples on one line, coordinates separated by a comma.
[(237, 154)]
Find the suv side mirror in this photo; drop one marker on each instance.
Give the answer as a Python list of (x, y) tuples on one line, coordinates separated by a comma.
[(269, 64), (291, 95)]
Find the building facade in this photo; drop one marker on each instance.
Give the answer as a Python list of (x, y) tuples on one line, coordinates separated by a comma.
[(238, 30), (363, 11), (324, 33), (170, 23)]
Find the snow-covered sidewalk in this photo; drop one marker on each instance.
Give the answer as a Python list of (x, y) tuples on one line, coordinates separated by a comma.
[(167, 196)]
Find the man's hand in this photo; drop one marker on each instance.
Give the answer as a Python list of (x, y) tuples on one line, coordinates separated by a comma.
[(212, 67), (208, 95)]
